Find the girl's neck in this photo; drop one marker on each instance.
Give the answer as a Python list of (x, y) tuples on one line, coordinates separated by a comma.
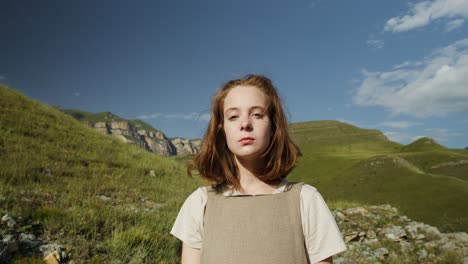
[(250, 183)]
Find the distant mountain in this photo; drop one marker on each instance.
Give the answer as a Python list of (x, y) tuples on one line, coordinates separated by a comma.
[(136, 132), (425, 180)]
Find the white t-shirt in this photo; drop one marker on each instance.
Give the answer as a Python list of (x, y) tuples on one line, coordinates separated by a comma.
[(322, 236)]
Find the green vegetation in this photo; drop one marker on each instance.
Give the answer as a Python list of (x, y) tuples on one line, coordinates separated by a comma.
[(424, 180), (93, 117), (142, 125), (95, 194), (54, 171)]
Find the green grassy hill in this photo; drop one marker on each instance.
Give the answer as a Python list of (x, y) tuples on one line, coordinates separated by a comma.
[(95, 194), (425, 180), (54, 172)]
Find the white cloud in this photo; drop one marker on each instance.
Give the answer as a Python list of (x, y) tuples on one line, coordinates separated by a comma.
[(374, 43), (407, 64), (152, 116), (451, 25), (399, 137), (423, 13), (434, 86), (399, 124), (190, 116)]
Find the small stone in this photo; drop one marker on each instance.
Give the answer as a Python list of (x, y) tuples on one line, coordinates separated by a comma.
[(381, 253), (351, 237), (371, 234), (459, 236), (404, 218), (339, 216), (7, 238), (431, 230), (431, 244), (392, 237), (372, 241), (450, 246), (420, 237), (152, 174), (10, 221), (24, 236), (406, 246), (357, 210), (104, 198), (399, 231), (422, 254), (52, 258)]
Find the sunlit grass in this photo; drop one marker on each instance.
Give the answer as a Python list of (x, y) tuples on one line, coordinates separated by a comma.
[(94, 194)]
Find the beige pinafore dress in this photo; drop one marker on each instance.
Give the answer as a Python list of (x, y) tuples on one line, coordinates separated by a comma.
[(254, 229)]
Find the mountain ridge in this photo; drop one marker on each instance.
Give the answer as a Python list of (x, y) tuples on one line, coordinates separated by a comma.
[(136, 132)]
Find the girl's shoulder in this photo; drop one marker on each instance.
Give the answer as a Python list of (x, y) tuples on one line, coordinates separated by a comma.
[(197, 197), (308, 189), (309, 193)]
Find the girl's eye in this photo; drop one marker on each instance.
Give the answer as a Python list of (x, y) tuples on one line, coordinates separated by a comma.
[(257, 115), (232, 117)]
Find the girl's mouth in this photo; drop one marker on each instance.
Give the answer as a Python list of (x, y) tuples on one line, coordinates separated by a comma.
[(246, 140)]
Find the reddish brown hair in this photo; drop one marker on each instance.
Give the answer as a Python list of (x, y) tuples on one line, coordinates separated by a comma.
[(216, 163)]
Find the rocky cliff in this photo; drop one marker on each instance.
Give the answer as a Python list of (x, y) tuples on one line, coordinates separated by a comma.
[(138, 133)]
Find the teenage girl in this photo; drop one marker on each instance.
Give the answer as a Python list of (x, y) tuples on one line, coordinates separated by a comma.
[(251, 214)]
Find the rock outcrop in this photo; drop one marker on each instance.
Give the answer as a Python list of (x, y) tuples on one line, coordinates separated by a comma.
[(378, 234), (20, 239), (186, 146), (139, 133)]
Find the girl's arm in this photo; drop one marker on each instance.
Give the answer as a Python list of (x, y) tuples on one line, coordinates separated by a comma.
[(190, 255)]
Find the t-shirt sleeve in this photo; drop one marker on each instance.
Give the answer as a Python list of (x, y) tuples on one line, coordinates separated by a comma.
[(322, 237), (188, 226)]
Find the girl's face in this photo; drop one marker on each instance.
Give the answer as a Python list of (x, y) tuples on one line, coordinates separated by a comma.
[(246, 125)]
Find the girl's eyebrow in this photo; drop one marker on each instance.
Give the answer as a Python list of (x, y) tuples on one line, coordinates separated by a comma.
[(251, 108)]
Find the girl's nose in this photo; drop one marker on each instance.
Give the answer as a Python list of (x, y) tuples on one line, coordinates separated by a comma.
[(246, 125)]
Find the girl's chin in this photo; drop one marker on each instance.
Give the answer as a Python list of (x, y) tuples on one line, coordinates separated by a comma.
[(248, 156)]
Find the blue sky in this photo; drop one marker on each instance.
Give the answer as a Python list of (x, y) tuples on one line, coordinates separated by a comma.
[(397, 66)]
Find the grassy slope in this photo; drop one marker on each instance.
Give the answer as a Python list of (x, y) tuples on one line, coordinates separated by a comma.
[(83, 163), (348, 163)]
